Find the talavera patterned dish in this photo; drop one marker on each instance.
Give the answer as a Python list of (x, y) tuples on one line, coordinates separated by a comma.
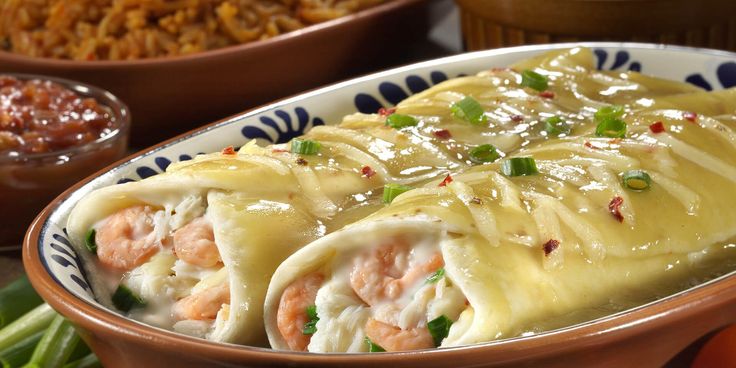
[(645, 336)]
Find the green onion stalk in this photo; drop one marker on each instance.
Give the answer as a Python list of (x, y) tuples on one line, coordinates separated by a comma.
[(56, 346), (16, 300)]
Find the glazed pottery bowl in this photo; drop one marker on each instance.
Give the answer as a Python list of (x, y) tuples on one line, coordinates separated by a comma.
[(169, 96), (29, 181), (645, 336)]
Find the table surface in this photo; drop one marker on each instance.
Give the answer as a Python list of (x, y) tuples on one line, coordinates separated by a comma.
[(10, 268)]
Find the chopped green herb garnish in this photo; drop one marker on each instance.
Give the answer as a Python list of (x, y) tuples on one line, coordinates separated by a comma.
[(311, 326), (611, 128), (519, 166), (398, 121), (609, 112), (436, 276), (534, 80), (484, 153), (439, 328), (637, 179), (305, 147), (90, 242), (391, 191), (555, 126), (373, 347), (470, 110), (124, 299)]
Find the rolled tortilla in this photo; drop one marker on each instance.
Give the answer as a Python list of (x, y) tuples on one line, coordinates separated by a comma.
[(521, 254)]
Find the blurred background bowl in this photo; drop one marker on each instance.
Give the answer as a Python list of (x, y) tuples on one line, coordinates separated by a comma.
[(498, 23), (30, 181), (168, 96)]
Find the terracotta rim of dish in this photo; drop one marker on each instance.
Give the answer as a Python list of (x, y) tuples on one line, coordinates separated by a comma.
[(118, 109), (232, 49), (677, 307)]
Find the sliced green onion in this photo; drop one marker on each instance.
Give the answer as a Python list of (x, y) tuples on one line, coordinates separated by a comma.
[(90, 242), (469, 109), (36, 320), (373, 347), (519, 166), (555, 126), (391, 191), (484, 153), (56, 345), (20, 353), (17, 299), (398, 121), (436, 276), (637, 179), (90, 361), (439, 328), (611, 128), (125, 300), (305, 147), (609, 112), (534, 80), (311, 326)]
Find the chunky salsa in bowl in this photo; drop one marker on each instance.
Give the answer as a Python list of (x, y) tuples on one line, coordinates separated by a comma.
[(53, 132)]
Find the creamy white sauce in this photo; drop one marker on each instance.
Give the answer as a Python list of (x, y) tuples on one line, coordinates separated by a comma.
[(343, 314)]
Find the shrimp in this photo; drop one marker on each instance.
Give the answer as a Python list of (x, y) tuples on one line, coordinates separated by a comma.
[(204, 304), (393, 338), (376, 276), (292, 312), (194, 243), (126, 239)]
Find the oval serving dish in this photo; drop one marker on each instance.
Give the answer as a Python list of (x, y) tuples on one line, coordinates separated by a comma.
[(644, 336)]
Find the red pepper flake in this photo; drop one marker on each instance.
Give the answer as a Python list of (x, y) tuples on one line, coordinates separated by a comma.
[(589, 145), (367, 171), (517, 118), (442, 134), (448, 180), (550, 246), (229, 150), (386, 112), (279, 150), (690, 116), (615, 208), (476, 200), (301, 161), (547, 94), (615, 141), (657, 127)]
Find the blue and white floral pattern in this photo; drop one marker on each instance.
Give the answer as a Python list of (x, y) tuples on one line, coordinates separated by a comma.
[(287, 119)]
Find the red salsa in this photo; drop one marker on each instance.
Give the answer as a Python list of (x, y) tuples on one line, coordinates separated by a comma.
[(38, 116)]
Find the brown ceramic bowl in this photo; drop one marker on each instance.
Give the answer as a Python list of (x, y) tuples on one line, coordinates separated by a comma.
[(649, 335), (169, 96), (30, 181), (500, 23)]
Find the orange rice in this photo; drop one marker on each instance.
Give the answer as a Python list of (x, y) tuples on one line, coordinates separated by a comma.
[(135, 29)]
